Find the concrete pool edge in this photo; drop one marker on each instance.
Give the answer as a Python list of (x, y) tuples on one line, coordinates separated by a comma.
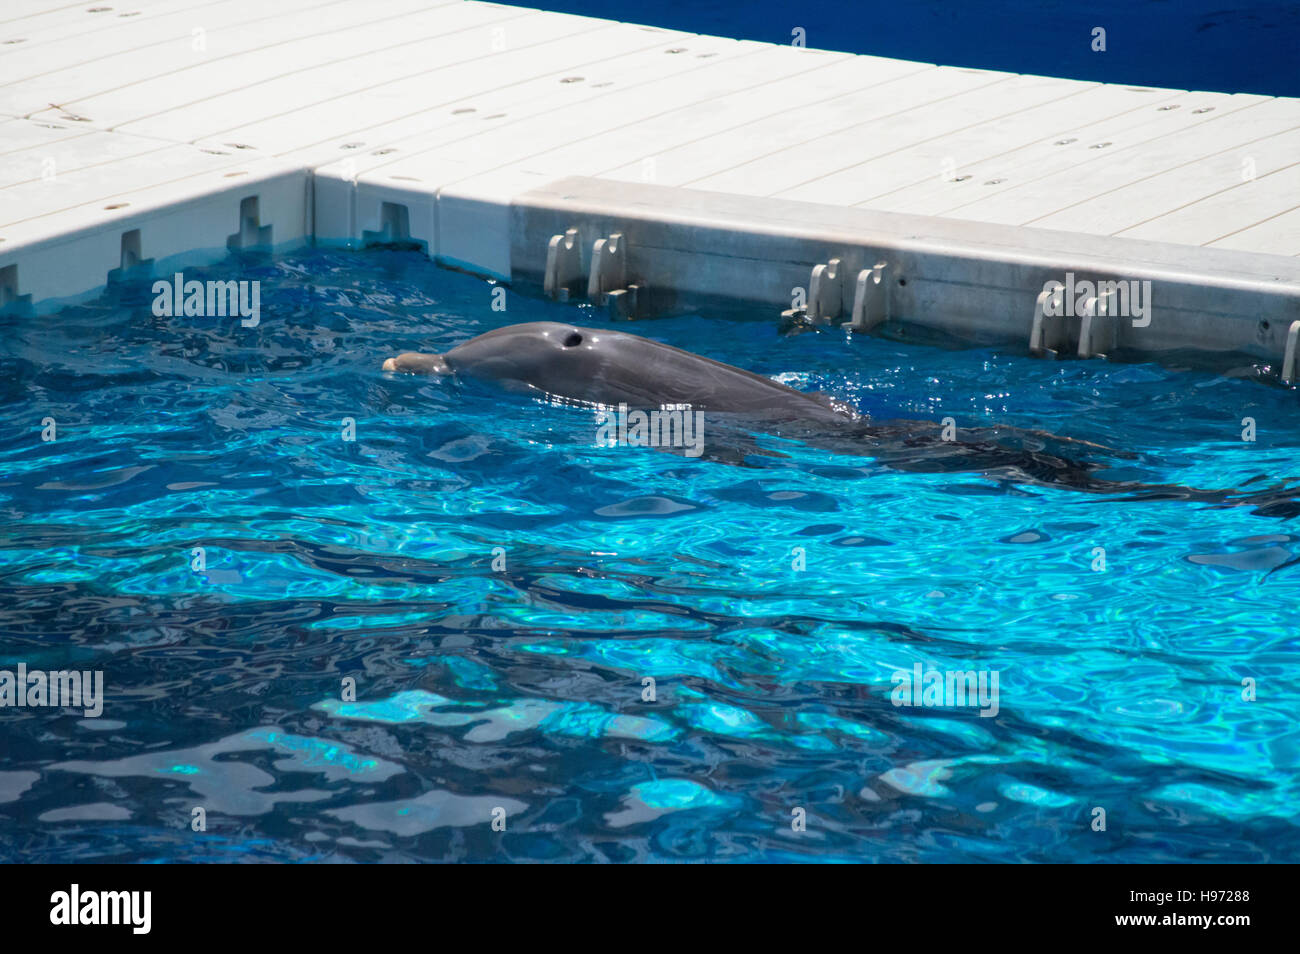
[(949, 275), (265, 205), (965, 278)]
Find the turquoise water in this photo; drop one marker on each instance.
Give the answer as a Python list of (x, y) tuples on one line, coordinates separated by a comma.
[(520, 687)]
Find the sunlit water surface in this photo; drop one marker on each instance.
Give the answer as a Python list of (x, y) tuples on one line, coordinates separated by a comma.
[(521, 687)]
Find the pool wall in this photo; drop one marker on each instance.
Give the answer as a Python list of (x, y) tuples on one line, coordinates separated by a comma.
[(333, 128), (261, 206)]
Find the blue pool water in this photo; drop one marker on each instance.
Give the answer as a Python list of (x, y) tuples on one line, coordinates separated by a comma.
[(1178, 44), (520, 687)]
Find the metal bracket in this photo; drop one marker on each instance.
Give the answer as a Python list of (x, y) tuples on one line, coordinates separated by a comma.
[(630, 302), (1096, 321), (1289, 359), (563, 265), (870, 299), (826, 298), (608, 268), (1047, 334), (607, 283), (825, 293)]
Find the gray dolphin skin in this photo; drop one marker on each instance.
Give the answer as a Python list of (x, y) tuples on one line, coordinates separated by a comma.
[(611, 368), (597, 367)]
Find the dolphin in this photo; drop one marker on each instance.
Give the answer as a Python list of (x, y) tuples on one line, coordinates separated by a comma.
[(600, 368), (608, 368)]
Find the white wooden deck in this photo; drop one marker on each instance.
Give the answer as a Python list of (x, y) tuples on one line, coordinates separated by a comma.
[(143, 105)]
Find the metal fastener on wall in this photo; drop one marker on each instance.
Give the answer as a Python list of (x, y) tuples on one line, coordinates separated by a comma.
[(1047, 334), (825, 293), (630, 302), (563, 265), (1289, 359), (608, 284), (608, 268), (870, 299), (1096, 329)]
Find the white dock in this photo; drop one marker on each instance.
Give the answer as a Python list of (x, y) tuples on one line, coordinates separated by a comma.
[(165, 133)]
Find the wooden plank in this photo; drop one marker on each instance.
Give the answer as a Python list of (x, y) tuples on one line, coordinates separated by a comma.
[(132, 87), (1278, 235), (52, 154), (1236, 206), (1239, 179), (831, 98), (27, 16), (20, 135), (33, 198), (417, 113), (947, 192), (367, 145), (605, 132), (82, 37), (1048, 201), (807, 172), (164, 36), (946, 158), (466, 41)]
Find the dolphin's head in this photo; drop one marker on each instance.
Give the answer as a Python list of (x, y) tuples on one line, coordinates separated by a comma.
[(550, 356)]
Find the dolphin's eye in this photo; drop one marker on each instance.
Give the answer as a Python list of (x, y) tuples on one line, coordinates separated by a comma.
[(573, 340)]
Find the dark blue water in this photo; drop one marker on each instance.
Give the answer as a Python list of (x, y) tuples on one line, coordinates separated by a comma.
[(1180, 44), (520, 687)]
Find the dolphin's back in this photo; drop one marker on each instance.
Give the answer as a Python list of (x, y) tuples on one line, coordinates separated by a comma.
[(662, 374)]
